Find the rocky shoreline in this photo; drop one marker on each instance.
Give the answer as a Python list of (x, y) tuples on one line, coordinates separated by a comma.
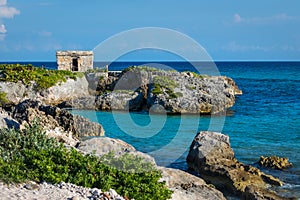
[(136, 89)]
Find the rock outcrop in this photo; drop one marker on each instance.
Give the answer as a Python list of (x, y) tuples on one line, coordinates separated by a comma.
[(104, 145), (65, 91), (186, 186), (183, 184), (56, 121), (274, 162), (140, 89), (212, 157), (6, 121)]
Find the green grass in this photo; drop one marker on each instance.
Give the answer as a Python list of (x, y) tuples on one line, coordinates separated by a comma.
[(44, 78), (30, 155)]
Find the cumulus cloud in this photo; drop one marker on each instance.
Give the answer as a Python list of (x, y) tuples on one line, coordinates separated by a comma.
[(237, 18), (8, 12)]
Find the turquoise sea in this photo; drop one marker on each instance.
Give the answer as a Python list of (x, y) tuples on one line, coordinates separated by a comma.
[(265, 120)]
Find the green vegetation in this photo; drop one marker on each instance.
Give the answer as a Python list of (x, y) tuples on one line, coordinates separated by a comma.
[(96, 70), (145, 68), (190, 87), (196, 75), (165, 83), (3, 99), (44, 78), (141, 68), (30, 155)]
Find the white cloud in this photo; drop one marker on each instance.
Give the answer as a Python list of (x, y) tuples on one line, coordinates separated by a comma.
[(8, 12), (2, 29), (237, 18)]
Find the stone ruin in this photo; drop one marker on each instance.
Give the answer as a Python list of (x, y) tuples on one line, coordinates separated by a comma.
[(79, 61)]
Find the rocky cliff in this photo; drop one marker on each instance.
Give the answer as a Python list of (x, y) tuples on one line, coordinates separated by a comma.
[(64, 91), (135, 89), (57, 122), (186, 92)]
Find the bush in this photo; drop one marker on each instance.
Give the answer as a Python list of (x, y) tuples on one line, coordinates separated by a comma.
[(3, 99), (31, 155), (44, 78)]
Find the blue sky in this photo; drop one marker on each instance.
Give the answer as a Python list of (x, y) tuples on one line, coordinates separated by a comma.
[(33, 30)]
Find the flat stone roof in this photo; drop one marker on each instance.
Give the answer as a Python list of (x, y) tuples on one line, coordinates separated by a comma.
[(74, 53)]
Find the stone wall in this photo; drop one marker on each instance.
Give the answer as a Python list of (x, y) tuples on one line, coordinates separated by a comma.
[(75, 60)]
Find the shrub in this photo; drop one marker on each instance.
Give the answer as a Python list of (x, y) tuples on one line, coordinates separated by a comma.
[(165, 82), (44, 78), (3, 99), (31, 155)]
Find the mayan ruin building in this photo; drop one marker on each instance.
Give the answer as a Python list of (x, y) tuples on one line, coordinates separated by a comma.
[(79, 61)]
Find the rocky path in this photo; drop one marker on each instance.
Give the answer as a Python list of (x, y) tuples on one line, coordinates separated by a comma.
[(62, 191)]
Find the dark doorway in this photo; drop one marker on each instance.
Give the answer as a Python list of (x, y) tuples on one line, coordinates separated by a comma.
[(75, 64)]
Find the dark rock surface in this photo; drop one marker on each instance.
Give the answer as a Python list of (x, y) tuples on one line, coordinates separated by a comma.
[(52, 118), (212, 157), (275, 162)]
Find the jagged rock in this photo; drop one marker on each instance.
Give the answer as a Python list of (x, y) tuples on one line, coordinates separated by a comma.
[(186, 186), (256, 193), (6, 121), (103, 145), (212, 157), (56, 119), (188, 94), (275, 162), (120, 100), (64, 91)]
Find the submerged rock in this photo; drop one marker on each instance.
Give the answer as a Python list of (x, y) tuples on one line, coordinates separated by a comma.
[(212, 157), (275, 162)]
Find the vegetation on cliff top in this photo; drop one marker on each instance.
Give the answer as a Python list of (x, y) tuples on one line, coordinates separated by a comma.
[(44, 78), (30, 155)]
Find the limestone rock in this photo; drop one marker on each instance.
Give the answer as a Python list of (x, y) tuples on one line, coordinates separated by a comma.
[(186, 93), (103, 145), (64, 91), (188, 187), (71, 89), (123, 100), (56, 119), (275, 162), (212, 157), (6, 121)]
